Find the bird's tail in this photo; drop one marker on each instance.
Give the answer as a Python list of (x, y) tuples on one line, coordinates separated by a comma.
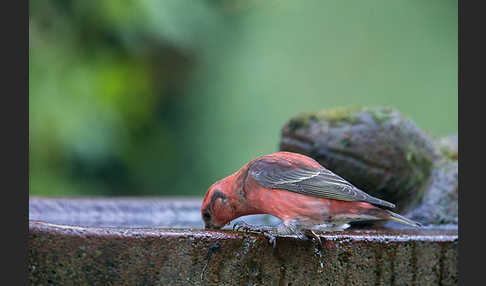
[(401, 219)]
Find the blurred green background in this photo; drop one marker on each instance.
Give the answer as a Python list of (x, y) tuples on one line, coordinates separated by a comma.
[(142, 97)]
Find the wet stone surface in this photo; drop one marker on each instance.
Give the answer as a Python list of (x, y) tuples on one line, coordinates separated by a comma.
[(153, 241)]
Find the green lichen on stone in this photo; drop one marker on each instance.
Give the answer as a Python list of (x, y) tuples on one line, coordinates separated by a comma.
[(333, 116), (342, 114), (302, 120), (449, 154), (412, 154), (421, 160), (380, 114), (448, 148), (422, 164)]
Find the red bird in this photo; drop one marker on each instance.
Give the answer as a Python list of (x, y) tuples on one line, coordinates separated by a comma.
[(303, 194)]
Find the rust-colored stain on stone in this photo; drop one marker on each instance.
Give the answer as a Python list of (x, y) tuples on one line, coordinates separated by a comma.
[(86, 254)]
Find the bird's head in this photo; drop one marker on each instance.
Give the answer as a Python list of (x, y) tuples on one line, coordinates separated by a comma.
[(216, 208)]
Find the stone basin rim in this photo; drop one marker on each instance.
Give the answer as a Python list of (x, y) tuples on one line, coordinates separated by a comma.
[(65, 216), (357, 235), (162, 241)]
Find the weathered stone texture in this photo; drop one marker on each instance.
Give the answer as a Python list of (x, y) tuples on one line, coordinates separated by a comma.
[(60, 254)]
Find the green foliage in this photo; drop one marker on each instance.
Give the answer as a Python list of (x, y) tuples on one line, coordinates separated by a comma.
[(165, 97)]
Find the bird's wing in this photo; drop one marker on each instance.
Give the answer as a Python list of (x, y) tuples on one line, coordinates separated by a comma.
[(320, 182)]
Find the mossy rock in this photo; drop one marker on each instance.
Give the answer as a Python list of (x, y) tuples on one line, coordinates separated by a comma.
[(440, 203), (376, 149)]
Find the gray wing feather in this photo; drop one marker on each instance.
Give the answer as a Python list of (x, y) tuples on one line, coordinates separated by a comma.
[(315, 182)]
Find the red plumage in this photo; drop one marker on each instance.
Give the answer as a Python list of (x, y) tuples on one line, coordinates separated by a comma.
[(297, 190)]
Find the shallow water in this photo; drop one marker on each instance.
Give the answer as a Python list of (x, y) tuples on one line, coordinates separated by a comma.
[(171, 213), (126, 212)]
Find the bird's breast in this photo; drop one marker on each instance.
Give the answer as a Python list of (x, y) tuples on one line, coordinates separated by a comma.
[(288, 205)]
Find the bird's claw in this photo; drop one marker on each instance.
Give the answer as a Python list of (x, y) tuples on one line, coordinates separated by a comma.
[(318, 247), (317, 238), (241, 225), (271, 239)]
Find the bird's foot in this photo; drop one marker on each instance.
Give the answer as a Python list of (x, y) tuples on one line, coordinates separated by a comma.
[(314, 237), (265, 230), (241, 225), (271, 239), (318, 248), (246, 227)]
